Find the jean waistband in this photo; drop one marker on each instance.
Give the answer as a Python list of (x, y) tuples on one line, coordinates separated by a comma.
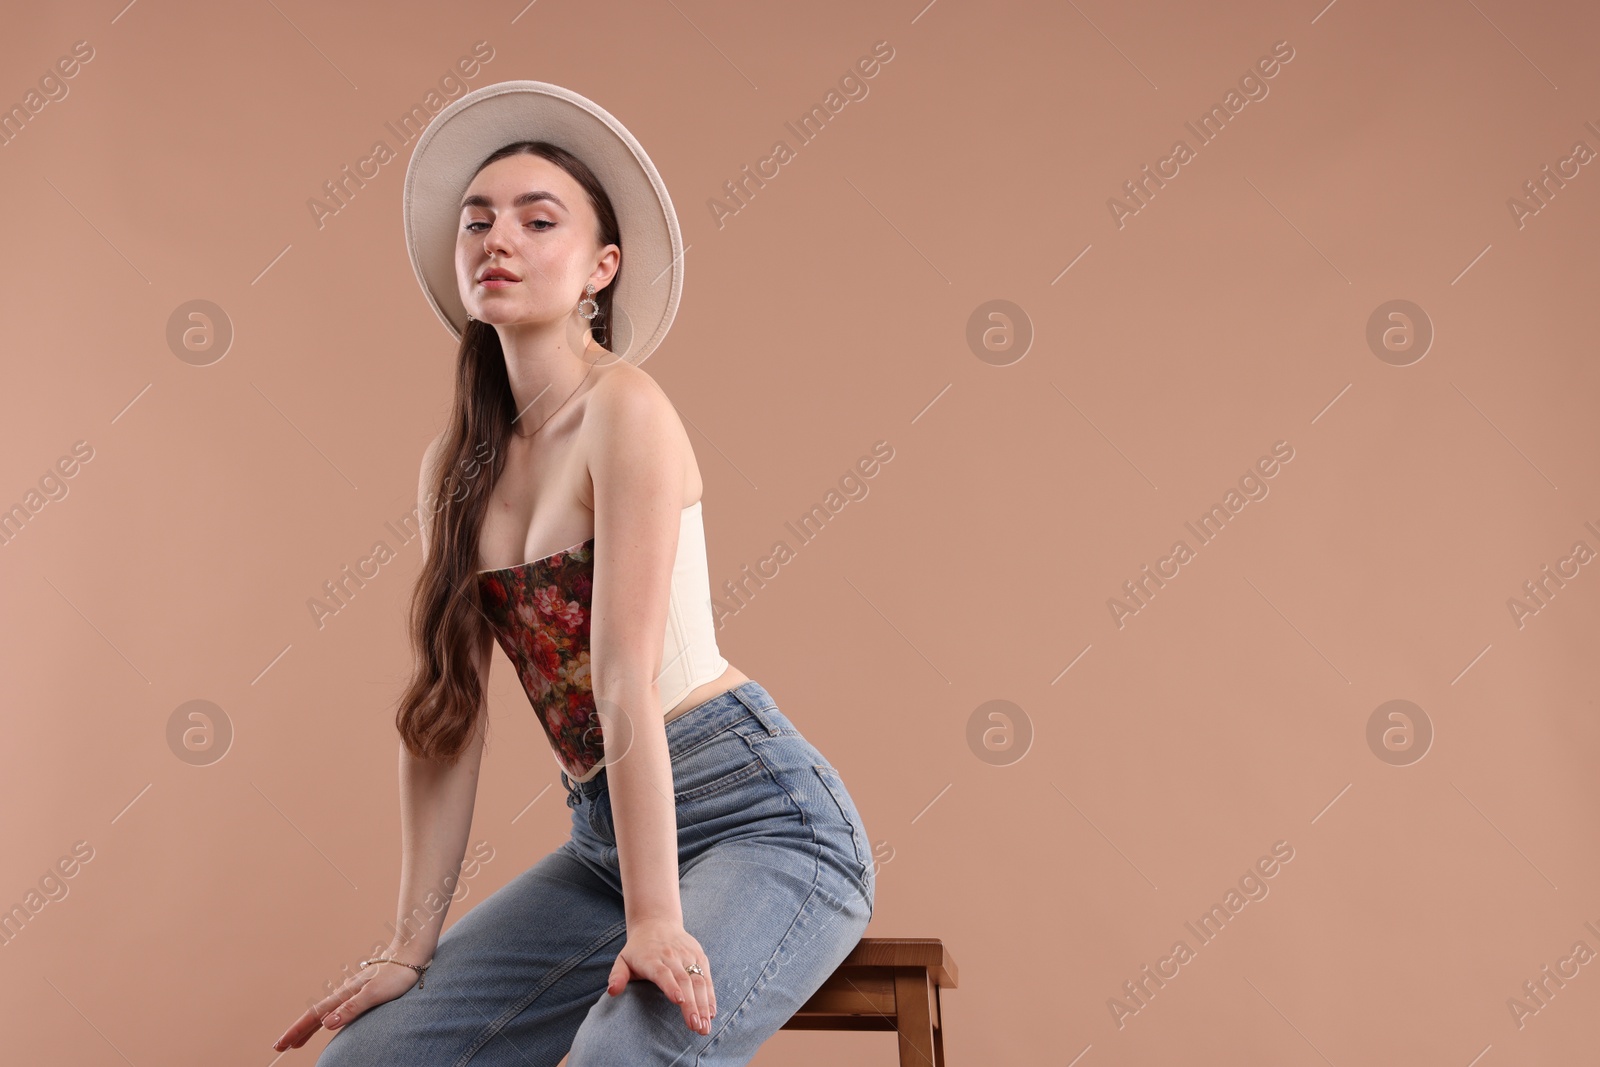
[(749, 701)]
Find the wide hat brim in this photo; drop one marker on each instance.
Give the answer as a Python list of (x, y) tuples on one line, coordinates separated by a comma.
[(455, 144)]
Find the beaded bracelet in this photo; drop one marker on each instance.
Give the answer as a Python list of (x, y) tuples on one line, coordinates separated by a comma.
[(422, 972)]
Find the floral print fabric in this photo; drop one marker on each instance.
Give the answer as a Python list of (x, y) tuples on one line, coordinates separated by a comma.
[(540, 615)]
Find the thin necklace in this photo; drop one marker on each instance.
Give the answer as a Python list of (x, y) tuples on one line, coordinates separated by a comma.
[(561, 405)]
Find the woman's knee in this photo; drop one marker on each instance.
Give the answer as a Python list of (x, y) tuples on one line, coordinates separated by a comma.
[(637, 1027), (344, 1051), (364, 1041)]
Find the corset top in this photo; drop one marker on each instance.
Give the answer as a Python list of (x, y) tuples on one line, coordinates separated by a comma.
[(539, 612)]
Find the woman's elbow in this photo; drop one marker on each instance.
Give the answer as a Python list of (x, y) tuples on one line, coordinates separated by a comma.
[(624, 683)]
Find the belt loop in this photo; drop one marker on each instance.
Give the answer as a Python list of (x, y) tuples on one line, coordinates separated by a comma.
[(574, 797), (759, 711)]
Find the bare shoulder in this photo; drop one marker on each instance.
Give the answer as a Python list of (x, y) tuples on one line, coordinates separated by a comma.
[(430, 464), (628, 400), (426, 479), (634, 439)]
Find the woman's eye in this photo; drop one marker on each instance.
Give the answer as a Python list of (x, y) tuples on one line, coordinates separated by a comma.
[(536, 223)]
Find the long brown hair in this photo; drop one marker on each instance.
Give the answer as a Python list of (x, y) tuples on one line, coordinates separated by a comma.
[(440, 706)]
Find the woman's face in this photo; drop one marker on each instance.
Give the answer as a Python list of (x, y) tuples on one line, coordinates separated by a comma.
[(537, 222)]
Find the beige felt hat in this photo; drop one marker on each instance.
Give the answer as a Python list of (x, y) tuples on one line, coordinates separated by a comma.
[(461, 136)]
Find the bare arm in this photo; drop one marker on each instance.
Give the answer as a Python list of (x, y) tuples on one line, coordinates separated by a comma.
[(636, 464), (436, 803), (638, 491)]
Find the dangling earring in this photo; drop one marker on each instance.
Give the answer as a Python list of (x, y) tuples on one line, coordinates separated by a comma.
[(588, 298)]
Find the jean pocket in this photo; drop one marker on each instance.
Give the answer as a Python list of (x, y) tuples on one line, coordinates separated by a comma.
[(699, 790), (598, 809), (847, 810)]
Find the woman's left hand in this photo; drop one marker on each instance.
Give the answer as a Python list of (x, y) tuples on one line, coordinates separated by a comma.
[(660, 952)]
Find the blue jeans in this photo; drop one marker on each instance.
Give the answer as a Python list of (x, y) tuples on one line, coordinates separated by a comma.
[(776, 879)]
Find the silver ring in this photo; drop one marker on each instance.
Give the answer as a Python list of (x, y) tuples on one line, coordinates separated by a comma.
[(693, 968)]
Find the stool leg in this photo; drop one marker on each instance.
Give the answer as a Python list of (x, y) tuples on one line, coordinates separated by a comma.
[(914, 1018), (938, 1032)]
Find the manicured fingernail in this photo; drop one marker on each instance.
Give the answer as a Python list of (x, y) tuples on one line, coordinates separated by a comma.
[(333, 1020)]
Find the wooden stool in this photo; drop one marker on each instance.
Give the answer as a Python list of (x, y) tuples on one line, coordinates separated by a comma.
[(887, 983)]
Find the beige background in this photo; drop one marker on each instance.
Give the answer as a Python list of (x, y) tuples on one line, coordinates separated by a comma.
[(1124, 796)]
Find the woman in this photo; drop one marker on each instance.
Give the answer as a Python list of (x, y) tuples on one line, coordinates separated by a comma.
[(717, 870)]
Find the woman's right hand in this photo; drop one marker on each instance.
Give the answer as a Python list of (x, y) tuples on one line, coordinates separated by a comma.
[(375, 984)]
